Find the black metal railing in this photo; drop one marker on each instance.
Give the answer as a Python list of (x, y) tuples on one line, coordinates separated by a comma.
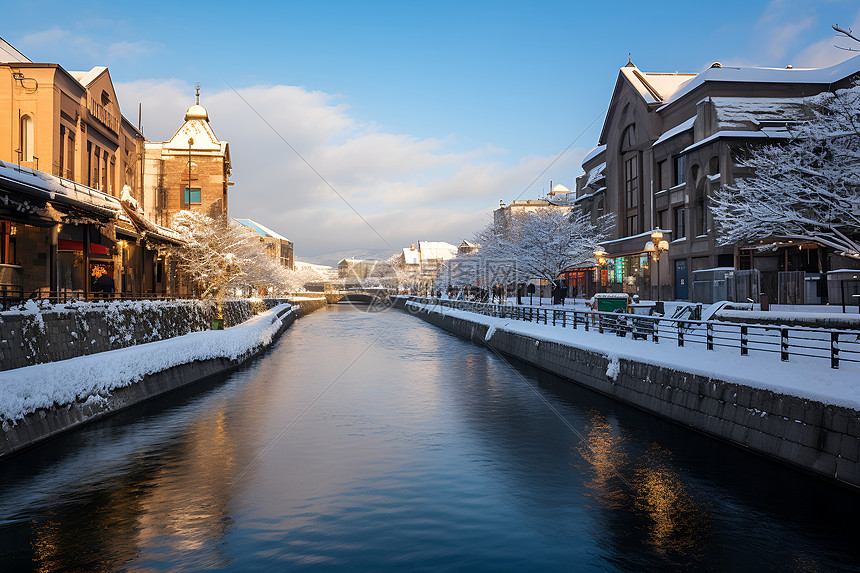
[(14, 296), (827, 344)]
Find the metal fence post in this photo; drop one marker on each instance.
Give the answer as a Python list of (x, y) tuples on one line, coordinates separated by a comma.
[(783, 344), (656, 330), (710, 336), (744, 340), (834, 350), (680, 333), (553, 316)]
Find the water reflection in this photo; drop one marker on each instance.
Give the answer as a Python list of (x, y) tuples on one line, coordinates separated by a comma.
[(679, 524)]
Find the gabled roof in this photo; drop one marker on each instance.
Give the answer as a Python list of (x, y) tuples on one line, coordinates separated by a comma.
[(437, 250), (653, 88), (260, 229), (9, 54), (86, 78)]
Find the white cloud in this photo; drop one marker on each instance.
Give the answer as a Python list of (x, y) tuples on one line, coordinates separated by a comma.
[(406, 188), (781, 26), (83, 47), (825, 53)]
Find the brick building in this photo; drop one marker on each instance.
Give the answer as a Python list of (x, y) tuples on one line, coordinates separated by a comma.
[(66, 155), (188, 172)]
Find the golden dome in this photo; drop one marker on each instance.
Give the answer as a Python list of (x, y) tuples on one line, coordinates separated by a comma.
[(196, 112)]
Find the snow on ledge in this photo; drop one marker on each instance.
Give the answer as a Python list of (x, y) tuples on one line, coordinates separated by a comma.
[(25, 390)]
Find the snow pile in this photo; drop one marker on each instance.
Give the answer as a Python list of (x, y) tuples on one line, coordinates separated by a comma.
[(24, 390), (490, 332), (614, 367)]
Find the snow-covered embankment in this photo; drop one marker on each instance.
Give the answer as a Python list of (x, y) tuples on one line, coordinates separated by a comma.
[(37, 402)]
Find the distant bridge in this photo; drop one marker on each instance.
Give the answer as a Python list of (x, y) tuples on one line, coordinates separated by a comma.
[(366, 295)]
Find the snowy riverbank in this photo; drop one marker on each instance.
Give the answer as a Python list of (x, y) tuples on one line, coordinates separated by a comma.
[(92, 377), (804, 377)]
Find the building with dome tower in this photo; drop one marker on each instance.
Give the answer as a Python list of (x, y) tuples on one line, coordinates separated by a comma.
[(188, 172)]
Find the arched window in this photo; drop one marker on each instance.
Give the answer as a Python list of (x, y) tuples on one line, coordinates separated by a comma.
[(628, 138), (27, 133), (714, 165), (631, 178)]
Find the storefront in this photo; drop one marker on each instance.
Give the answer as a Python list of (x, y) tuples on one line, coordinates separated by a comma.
[(579, 282), (627, 273)]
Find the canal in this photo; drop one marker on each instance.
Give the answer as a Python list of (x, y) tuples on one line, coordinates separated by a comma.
[(371, 441)]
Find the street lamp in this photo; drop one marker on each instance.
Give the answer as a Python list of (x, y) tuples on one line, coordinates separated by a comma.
[(655, 246), (600, 257)]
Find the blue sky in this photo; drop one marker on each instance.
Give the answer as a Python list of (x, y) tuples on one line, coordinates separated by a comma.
[(423, 115)]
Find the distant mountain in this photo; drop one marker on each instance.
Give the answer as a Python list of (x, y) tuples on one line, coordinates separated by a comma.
[(332, 259)]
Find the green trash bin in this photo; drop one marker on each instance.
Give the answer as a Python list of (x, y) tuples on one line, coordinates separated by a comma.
[(218, 324)]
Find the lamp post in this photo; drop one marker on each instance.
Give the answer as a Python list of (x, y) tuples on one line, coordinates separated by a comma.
[(655, 246), (187, 193), (600, 257)]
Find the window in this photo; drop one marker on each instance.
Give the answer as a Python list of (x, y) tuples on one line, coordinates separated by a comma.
[(680, 170), (703, 215), (89, 163), (7, 243), (632, 225), (192, 195), (628, 138), (631, 181), (62, 151), (680, 224), (27, 138)]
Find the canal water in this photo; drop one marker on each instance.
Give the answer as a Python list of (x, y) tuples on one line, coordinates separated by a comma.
[(371, 441)]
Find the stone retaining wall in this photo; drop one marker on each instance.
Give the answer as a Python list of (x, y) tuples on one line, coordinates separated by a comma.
[(46, 423), (816, 437), (35, 336)]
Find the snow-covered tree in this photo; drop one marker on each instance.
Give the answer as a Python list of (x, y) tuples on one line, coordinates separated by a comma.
[(540, 243), (546, 242), (807, 188), (219, 256)]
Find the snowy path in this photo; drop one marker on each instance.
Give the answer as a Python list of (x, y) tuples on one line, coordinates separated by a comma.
[(808, 378), (24, 390)]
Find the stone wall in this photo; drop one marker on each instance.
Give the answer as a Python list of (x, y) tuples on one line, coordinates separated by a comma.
[(46, 423), (58, 332), (819, 438)]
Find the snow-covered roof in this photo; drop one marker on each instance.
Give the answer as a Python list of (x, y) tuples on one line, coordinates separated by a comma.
[(766, 133), (678, 129), (411, 256), (261, 229), (303, 265), (655, 87), (596, 174), (60, 191), (86, 78), (825, 76), (52, 188), (743, 112), (437, 250), (593, 153), (9, 54), (589, 195)]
